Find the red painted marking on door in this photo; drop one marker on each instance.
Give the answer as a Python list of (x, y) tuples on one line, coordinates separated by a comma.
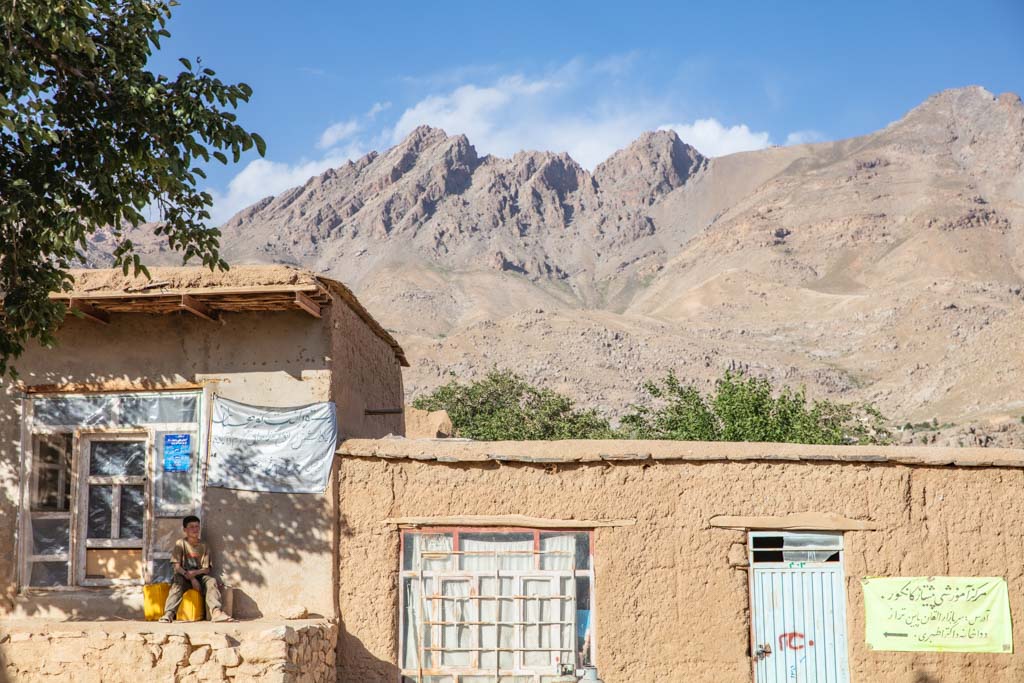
[(793, 641)]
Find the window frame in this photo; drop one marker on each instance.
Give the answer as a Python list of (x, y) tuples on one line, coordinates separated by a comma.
[(31, 430), (457, 673)]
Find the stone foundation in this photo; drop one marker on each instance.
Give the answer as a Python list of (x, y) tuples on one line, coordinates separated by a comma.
[(296, 651)]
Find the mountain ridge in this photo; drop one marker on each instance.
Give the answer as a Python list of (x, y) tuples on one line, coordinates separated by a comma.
[(830, 264)]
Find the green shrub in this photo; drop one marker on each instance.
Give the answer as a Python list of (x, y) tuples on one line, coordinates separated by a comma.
[(503, 406)]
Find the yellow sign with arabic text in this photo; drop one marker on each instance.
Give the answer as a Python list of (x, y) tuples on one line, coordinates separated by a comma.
[(938, 614)]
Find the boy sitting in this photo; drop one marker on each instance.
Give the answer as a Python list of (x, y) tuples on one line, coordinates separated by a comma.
[(190, 560)]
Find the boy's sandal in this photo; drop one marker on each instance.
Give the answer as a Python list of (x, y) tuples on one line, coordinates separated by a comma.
[(222, 617), (166, 619)]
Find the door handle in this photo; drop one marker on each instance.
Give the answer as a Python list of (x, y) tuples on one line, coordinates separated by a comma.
[(763, 651)]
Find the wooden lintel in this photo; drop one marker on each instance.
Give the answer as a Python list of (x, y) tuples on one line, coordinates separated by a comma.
[(110, 386), (303, 301), (800, 521), (90, 312), (509, 521), (198, 308)]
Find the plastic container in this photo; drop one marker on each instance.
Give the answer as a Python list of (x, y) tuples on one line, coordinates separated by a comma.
[(154, 597)]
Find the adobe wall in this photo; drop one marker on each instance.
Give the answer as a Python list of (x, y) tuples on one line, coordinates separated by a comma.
[(372, 378), (671, 592), (276, 548)]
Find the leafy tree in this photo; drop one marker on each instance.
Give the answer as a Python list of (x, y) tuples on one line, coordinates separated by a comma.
[(89, 137), (504, 406), (746, 408)]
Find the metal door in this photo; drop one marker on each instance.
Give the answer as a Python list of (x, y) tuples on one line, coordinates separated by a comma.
[(798, 607)]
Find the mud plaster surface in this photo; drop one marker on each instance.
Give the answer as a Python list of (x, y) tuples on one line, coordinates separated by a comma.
[(277, 549), (89, 281), (670, 605)]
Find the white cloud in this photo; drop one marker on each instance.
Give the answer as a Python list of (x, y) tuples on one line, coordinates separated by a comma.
[(337, 132), (516, 113), (803, 137), (713, 139), (377, 108), (261, 178), (587, 109)]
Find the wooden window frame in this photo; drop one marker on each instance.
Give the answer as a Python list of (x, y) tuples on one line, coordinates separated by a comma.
[(30, 431)]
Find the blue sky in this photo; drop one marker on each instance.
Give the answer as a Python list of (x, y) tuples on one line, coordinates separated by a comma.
[(334, 80)]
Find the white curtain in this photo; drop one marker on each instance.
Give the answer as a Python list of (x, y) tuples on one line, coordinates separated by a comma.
[(538, 610), (505, 638), (456, 636), (558, 552), (489, 552), (431, 552)]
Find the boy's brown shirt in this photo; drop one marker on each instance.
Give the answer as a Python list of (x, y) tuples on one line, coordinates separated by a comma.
[(190, 556)]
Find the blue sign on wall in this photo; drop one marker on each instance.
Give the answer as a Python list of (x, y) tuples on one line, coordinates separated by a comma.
[(177, 452)]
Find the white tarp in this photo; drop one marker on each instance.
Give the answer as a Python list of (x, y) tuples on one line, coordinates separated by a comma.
[(286, 450)]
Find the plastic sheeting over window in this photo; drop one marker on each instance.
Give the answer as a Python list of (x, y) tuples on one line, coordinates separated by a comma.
[(117, 459), (87, 411), (50, 536), (142, 410), (114, 468), (108, 410), (48, 574)]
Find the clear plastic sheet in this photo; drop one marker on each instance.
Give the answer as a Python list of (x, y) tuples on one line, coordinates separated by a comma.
[(52, 463), (118, 459), (74, 410), (50, 536), (133, 506), (140, 410), (128, 409), (162, 572), (100, 505), (48, 574)]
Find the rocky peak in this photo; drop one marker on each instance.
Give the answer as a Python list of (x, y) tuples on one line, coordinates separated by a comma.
[(959, 118), (656, 163)]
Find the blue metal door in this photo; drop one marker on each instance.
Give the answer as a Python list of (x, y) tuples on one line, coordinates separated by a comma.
[(798, 607)]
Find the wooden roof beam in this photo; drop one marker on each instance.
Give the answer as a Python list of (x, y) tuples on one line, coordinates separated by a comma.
[(89, 312), (303, 301), (198, 308)]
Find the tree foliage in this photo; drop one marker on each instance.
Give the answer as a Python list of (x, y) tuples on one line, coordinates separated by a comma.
[(742, 408), (504, 406), (89, 137), (748, 408)]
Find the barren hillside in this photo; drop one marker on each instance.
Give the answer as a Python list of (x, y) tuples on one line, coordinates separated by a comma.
[(886, 268)]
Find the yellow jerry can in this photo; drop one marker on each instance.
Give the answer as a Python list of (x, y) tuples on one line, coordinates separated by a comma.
[(154, 597)]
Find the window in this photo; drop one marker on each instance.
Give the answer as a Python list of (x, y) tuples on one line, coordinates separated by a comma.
[(108, 474), (495, 606)]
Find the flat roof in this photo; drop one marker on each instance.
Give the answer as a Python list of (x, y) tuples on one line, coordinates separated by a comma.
[(612, 450), (99, 292)]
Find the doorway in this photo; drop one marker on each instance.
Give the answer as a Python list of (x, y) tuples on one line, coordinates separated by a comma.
[(798, 607), (113, 508)]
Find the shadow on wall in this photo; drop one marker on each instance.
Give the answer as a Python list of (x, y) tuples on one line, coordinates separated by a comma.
[(356, 664), (921, 677), (266, 527)]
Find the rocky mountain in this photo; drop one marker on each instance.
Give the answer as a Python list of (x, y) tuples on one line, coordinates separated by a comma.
[(886, 268)]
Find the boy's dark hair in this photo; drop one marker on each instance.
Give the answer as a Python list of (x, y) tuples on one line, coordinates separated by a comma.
[(188, 520)]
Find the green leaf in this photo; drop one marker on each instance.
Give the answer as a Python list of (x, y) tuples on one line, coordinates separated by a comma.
[(261, 146)]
